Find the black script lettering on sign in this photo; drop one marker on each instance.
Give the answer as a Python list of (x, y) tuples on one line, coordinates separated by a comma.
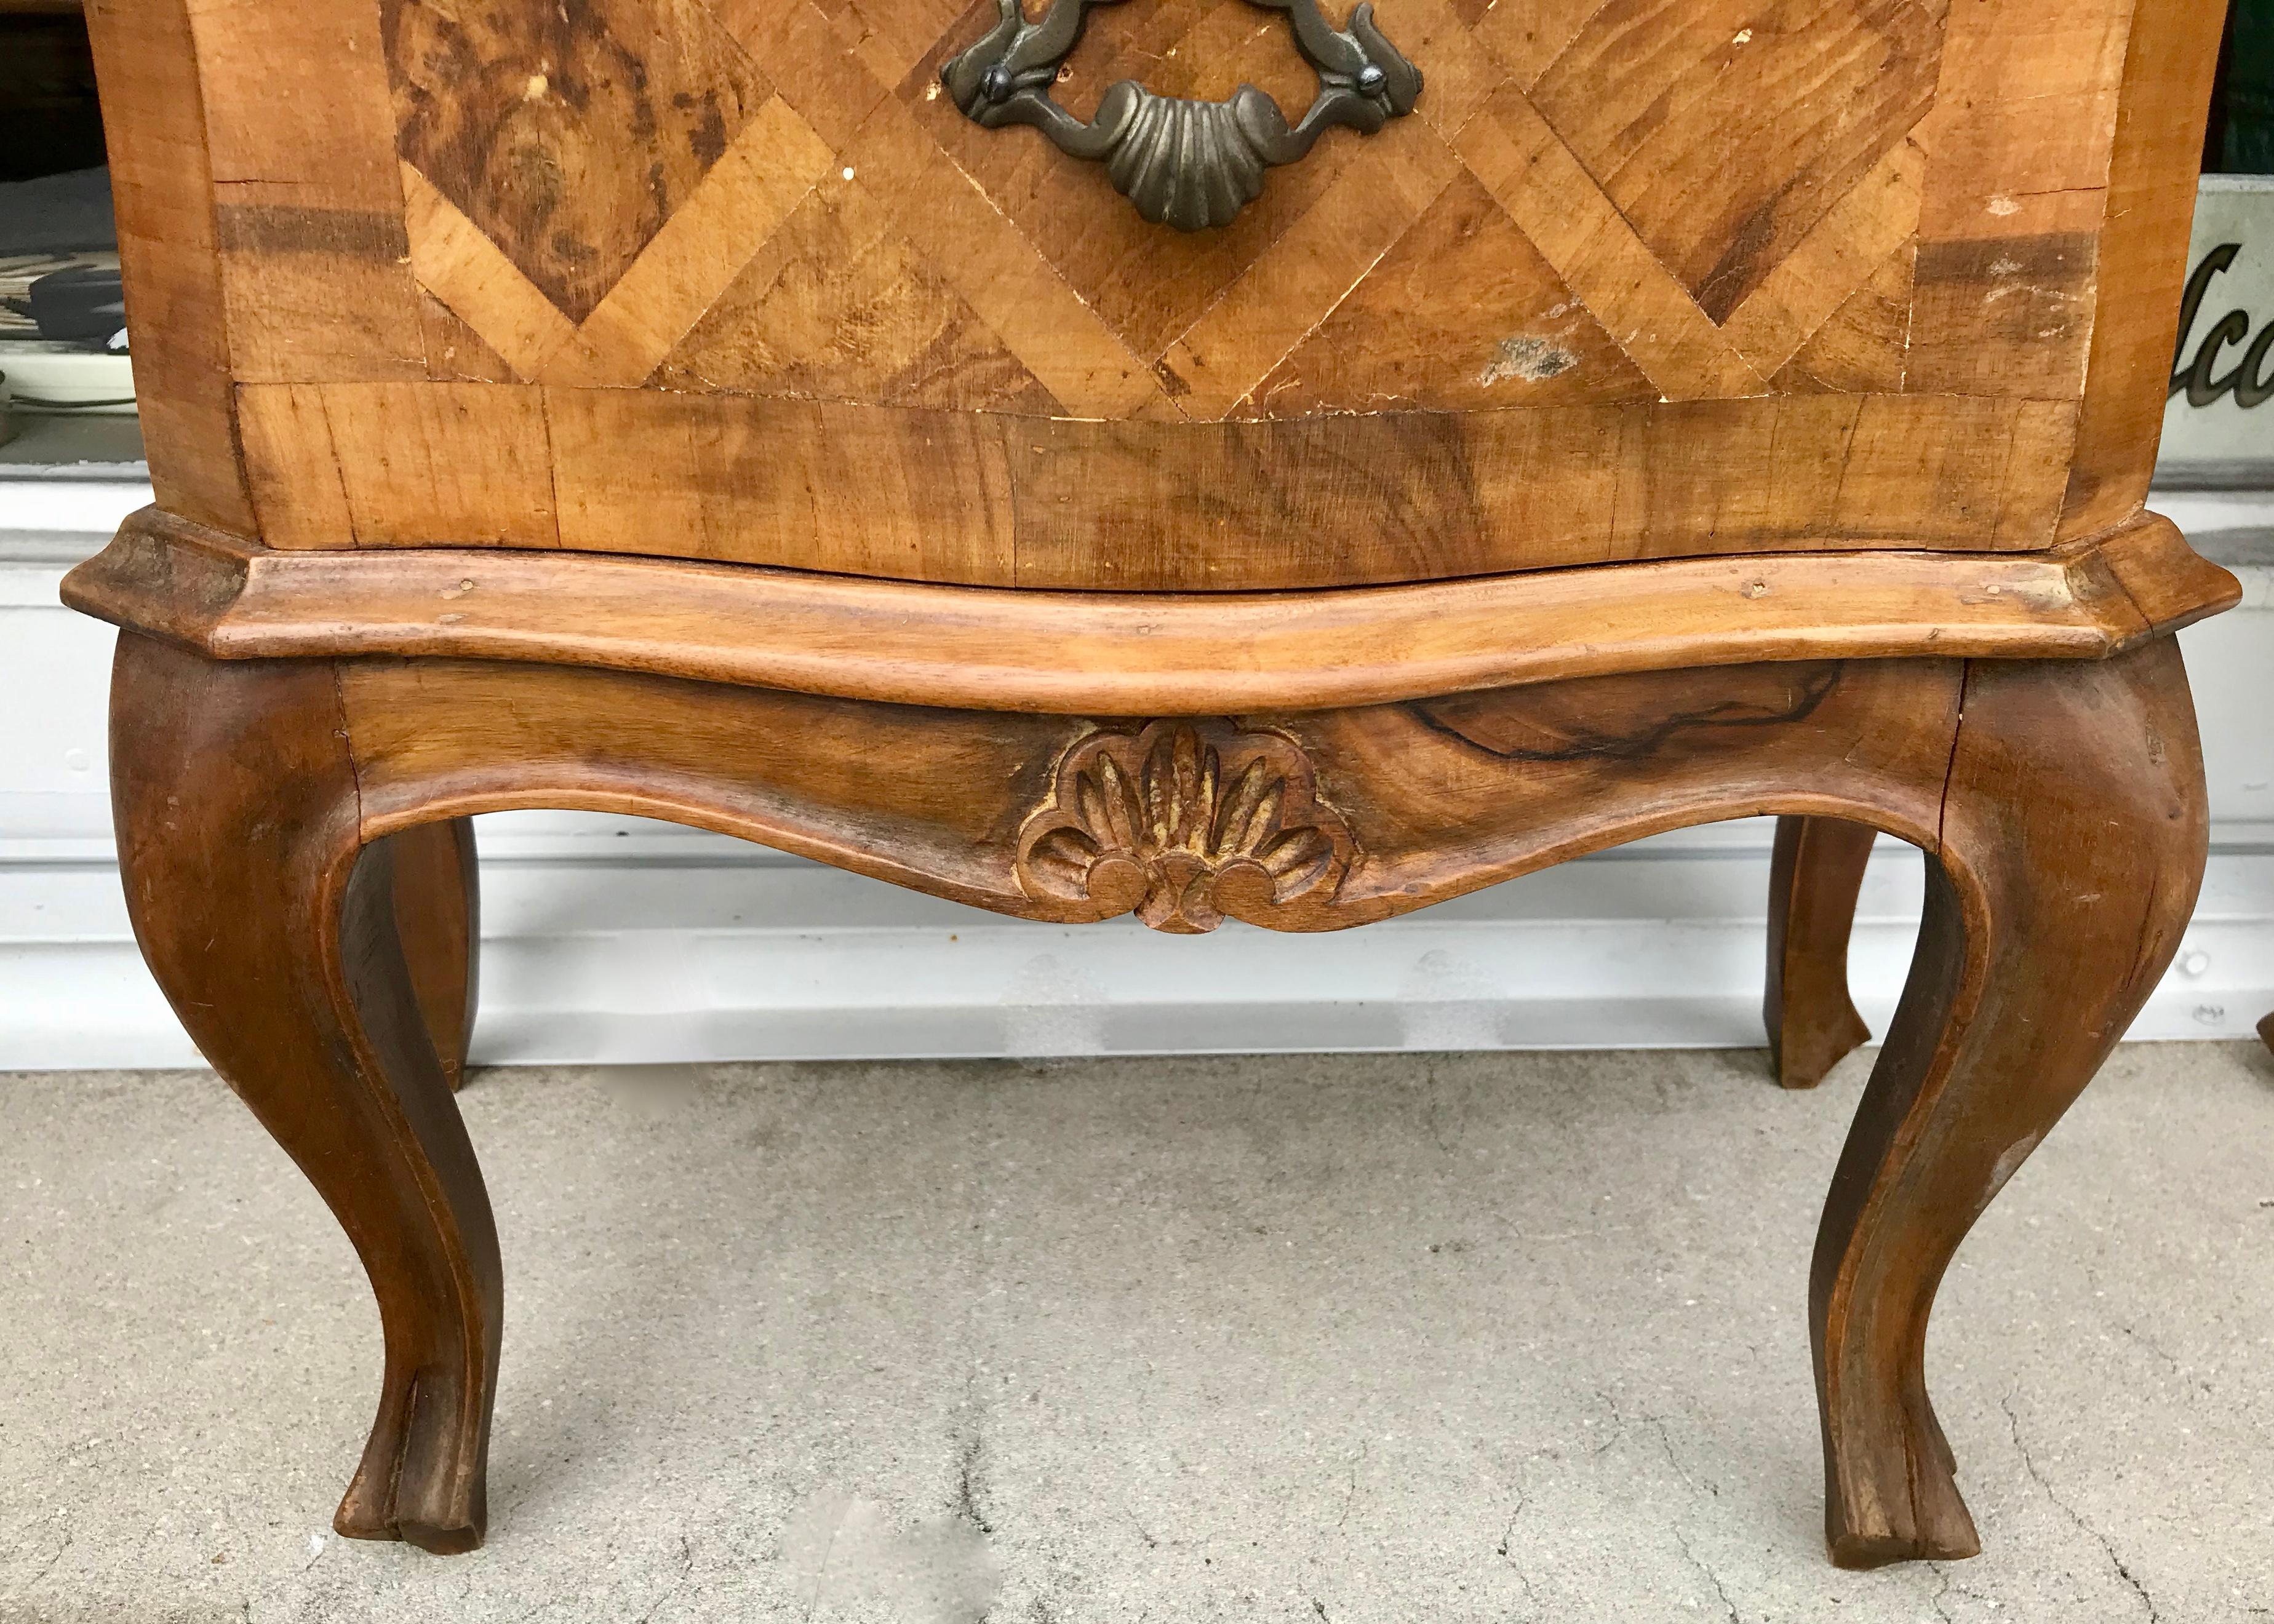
[(2250, 381)]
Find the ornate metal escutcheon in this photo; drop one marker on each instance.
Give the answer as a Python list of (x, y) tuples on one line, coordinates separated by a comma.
[(1185, 164)]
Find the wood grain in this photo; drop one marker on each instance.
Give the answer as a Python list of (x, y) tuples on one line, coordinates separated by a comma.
[(2073, 838), (568, 134), (2171, 54), (316, 289), (1110, 654), (311, 208), (1618, 138), (841, 305), (989, 499), (1436, 797), (1724, 133), (1643, 279), (1222, 357), (438, 916), (1830, 263), (1146, 286), (1517, 338), (2025, 783), (477, 284), (161, 183), (1045, 323), (455, 352), (693, 256), (399, 465), (1579, 230), (2019, 151), (1864, 346), (271, 928), (1815, 873)]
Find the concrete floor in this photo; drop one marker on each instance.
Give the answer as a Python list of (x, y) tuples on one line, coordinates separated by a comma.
[(1403, 1339)]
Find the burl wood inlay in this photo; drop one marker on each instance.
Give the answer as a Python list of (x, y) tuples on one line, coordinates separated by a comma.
[(1601, 720), (569, 134), (1185, 823)]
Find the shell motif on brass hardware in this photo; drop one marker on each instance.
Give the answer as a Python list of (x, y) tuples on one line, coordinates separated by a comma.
[(1193, 165), (1185, 822)]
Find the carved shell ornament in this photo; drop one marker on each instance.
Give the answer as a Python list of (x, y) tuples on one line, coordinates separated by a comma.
[(1189, 164), (1185, 823)]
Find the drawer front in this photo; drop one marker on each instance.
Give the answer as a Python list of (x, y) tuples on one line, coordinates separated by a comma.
[(740, 279)]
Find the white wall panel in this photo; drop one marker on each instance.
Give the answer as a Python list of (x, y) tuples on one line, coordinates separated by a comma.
[(614, 939)]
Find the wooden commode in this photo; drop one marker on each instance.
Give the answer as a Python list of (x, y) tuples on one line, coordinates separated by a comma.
[(1200, 458)]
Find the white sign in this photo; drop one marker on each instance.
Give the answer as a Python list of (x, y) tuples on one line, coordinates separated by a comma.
[(2218, 428)]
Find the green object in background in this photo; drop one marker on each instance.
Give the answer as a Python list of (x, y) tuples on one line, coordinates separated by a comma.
[(2248, 103)]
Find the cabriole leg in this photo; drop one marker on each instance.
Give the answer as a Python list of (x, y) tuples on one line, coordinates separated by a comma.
[(2074, 836), (277, 940), (1814, 879)]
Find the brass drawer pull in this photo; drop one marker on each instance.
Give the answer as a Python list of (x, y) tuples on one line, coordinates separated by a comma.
[(1189, 164)]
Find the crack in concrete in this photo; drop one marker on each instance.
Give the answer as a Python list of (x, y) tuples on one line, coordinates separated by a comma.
[(1618, 1423), (1349, 1494), (2107, 1547), (69, 1534), (2188, 1378), (969, 1436), (1712, 1578), (2193, 1382), (1666, 1442), (678, 1582), (968, 1478), (1143, 1533), (1508, 1532), (1507, 1535), (1657, 1424)]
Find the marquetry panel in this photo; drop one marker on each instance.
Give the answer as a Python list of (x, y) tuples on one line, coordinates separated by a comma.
[(840, 304), (1667, 198), (1637, 228), (1540, 344), (1725, 130)]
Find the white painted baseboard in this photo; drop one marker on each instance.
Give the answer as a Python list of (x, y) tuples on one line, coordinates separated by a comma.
[(713, 956), (614, 940)]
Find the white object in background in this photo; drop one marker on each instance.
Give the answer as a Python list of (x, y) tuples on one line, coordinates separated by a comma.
[(2218, 428), (53, 515), (65, 378)]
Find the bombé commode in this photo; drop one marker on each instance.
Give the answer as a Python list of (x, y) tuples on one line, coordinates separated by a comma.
[(1583, 421)]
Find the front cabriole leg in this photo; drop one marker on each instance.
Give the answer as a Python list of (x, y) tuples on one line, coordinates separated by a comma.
[(274, 932), (2073, 842)]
